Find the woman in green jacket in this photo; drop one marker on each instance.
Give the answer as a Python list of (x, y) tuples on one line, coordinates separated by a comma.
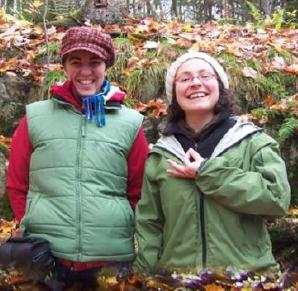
[(211, 180)]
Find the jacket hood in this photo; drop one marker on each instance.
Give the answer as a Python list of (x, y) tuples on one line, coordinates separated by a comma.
[(236, 134)]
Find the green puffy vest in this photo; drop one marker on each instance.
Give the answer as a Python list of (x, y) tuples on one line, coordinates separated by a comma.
[(78, 180)]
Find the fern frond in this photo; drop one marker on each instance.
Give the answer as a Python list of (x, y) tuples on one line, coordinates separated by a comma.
[(287, 129)]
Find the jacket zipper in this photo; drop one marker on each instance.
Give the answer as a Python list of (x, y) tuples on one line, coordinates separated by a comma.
[(203, 232), (202, 226), (78, 177)]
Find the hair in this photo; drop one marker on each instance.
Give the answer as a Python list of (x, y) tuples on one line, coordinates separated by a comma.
[(225, 103)]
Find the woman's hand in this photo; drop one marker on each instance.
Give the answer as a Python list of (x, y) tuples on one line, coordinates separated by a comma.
[(188, 170)]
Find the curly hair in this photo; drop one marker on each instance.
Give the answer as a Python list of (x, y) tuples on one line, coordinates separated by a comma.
[(225, 103)]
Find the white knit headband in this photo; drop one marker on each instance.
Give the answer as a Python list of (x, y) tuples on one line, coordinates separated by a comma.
[(172, 70)]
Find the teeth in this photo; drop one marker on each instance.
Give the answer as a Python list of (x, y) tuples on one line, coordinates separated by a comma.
[(85, 82), (197, 95)]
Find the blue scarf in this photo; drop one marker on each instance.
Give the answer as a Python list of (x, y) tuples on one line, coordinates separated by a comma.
[(94, 105)]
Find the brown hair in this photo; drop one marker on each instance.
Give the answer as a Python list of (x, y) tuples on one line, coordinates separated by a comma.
[(225, 103)]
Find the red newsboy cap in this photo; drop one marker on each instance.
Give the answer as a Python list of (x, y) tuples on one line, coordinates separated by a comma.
[(89, 39)]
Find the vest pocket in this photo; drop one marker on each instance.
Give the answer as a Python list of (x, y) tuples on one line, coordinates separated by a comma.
[(126, 211), (30, 206)]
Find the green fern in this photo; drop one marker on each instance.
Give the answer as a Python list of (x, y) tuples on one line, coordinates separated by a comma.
[(256, 14), (278, 18), (52, 77), (287, 129)]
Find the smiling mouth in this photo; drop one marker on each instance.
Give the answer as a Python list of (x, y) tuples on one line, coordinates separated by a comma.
[(85, 82), (197, 95)]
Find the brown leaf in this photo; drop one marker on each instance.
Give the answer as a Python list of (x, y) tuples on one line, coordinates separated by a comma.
[(132, 61), (269, 101), (292, 69), (214, 287), (183, 43), (250, 72)]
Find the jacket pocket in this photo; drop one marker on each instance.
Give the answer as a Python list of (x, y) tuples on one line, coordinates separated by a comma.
[(31, 204)]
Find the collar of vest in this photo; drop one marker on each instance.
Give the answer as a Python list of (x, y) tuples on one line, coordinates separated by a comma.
[(109, 105)]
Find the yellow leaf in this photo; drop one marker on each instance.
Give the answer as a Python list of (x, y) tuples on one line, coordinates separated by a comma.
[(37, 3), (188, 28)]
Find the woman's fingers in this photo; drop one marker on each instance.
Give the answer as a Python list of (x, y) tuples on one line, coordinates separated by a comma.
[(191, 161), (180, 171)]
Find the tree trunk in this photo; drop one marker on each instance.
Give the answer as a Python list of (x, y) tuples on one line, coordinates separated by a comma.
[(266, 6), (174, 11)]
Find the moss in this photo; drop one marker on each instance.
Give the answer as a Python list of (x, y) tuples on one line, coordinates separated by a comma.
[(5, 209), (4, 150)]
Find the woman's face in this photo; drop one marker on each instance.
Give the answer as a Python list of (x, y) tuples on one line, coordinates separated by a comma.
[(197, 87), (86, 70)]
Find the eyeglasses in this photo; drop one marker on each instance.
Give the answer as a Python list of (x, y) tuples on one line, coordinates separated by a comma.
[(204, 77)]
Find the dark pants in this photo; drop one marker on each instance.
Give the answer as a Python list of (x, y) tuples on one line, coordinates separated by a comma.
[(63, 278)]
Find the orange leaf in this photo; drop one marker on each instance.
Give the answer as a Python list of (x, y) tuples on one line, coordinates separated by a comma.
[(141, 107), (157, 107), (269, 101), (292, 69), (184, 43), (132, 61), (214, 287)]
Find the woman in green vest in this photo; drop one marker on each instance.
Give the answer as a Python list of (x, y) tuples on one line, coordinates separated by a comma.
[(76, 164), (210, 181)]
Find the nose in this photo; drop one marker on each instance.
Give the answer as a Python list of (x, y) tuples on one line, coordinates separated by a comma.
[(85, 70), (195, 80)]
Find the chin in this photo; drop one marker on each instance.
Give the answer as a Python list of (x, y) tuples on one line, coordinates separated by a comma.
[(86, 93)]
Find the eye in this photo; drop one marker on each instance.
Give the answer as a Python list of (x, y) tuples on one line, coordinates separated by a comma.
[(74, 62), (206, 76), (184, 79), (96, 62)]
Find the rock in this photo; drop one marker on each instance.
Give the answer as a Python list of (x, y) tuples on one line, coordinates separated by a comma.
[(3, 165), (15, 93)]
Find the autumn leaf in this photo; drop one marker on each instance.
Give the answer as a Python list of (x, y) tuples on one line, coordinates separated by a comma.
[(183, 43), (269, 101), (187, 27), (157, 107), (282, 106), (213, 287), (174, 27), (151, 45), (132, 61), (141, 107), (112, 28), (37, 3), (250, 72), (292, 69)]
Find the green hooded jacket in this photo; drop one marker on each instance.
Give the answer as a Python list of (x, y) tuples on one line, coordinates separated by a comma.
[(219, 218)]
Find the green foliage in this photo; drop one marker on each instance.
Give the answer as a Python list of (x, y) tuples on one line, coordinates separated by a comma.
[(279, 18), (143, 78), (31, 12), (53, 49), (5, 209), (4, 150), (133, 82), (223, 21), (282, 18), (256, 14), (52, 77), (288, 128)]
